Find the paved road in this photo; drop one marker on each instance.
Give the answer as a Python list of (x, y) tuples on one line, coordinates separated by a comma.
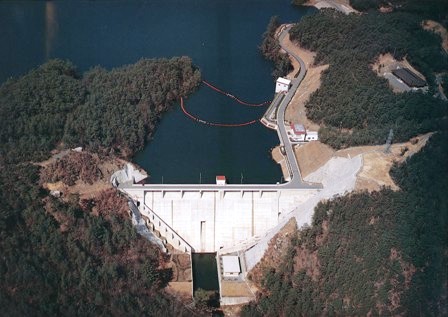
[(296, 178)]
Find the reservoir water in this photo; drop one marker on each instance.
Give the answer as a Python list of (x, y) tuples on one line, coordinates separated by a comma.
[(221, 36)]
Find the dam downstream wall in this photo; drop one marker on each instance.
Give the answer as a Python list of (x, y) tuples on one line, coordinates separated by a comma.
[(213, 220)]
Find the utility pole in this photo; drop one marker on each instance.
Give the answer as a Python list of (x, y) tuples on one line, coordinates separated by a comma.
[(389, 141), (241, 178), (200, 178)]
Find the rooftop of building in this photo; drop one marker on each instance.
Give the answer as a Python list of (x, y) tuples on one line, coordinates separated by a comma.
[(298, 128), (283, 80), (231, 264), (409, 77)]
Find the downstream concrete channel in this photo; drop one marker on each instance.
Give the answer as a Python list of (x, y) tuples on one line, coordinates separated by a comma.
[(205, 272)]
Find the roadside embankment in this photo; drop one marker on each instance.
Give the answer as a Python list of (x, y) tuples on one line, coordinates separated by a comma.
[(279, 158), (338, 177)]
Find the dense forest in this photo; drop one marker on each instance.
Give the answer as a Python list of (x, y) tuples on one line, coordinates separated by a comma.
[(354, 105), (76, 257), (383, 253), (101, 110), (429, 9)]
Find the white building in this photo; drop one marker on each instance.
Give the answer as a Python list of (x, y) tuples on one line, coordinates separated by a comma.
[(298, 133), (220, 180), (282, 85), (230, 266), (312, 136)]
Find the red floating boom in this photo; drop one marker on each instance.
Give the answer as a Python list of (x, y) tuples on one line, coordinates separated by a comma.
[(214, 124), (235, 98)]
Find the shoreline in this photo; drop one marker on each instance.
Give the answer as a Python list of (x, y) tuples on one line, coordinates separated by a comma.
[(339, 5)]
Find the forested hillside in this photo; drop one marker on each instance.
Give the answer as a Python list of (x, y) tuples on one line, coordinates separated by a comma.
[(270, 48), (102, 110), (354, 105), (58, 259), (123, 105), (383, 253), (75, 257), (429, 9), (379, 253)]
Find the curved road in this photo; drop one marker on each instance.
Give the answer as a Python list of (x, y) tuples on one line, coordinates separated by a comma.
[(296, 178)]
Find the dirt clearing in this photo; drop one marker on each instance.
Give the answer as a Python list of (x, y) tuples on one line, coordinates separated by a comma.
[(385, 64), (235, 289), (311, 156), (376, 164), (84, 174)]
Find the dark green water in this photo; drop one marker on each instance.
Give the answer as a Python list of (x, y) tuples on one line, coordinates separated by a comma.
[(205, 271), (221, 36)]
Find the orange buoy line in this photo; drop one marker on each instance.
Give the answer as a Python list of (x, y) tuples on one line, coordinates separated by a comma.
[(235, 98), (214, 124)]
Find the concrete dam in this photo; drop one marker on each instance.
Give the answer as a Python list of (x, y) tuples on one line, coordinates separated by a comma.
[(210, 220), (219, 217)]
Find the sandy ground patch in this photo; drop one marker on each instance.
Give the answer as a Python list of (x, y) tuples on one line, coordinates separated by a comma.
[(235, 289), (311, 156), (376, 164), (375, 172), (439, 29)]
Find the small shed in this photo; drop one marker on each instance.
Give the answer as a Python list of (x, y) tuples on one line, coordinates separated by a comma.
[(220, 180), (312, 136), (282, 85), (231, 266)]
